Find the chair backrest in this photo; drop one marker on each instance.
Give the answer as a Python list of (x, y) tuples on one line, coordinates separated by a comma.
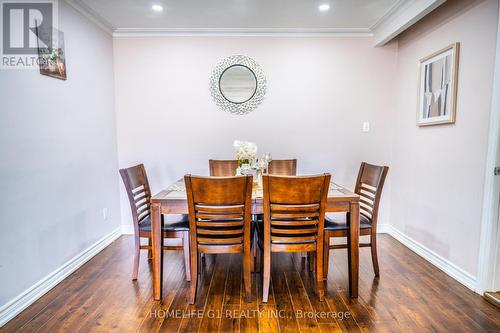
[(222, 168), (219, 212), (283, 167), (294, 211), (369, 186), (138, 192)]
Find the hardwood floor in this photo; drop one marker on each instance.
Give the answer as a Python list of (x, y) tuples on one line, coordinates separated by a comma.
[(411, 295)]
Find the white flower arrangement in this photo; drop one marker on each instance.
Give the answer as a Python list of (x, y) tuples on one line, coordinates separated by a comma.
[(246, 152)]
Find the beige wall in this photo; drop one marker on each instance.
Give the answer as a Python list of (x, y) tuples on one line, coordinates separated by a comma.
[(320, 90), (438, 171)]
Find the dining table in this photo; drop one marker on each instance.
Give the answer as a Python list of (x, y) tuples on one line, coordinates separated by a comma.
[(173, 200)]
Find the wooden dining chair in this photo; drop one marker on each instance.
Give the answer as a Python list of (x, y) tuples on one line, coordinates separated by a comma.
[(139, 197), (282, 167), (369, 186), (223, 168), (277, 168), (219, 221), (294, 215)]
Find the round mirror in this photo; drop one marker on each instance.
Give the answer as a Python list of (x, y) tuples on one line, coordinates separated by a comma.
[(238, 84)]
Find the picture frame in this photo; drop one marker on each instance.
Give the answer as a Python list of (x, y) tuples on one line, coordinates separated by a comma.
[(437, 87), (52, 57)]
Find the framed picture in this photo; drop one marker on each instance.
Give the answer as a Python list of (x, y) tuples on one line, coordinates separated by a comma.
[(52, 57), (437, 93)]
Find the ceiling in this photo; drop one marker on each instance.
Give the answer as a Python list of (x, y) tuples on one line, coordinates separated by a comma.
[(242, 15)]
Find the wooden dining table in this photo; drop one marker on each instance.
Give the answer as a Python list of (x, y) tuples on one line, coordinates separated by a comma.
[(173, 200)]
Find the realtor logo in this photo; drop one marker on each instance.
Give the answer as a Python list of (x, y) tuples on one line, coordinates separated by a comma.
[(26, 26)]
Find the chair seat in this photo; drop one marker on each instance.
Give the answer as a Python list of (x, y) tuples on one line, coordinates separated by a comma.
[(170, 223), (332, 224)]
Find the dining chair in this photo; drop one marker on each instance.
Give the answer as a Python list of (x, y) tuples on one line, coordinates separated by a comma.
[(277, 168), (369, 186), (219, 221), (282, 167), (173, 226), (223, 168), (294, 215)]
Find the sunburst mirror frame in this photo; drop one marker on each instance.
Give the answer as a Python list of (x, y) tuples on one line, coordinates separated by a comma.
[(254, 101)]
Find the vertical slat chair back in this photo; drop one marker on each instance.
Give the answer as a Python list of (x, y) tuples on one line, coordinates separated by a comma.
[(294, 211), (222, 168), (219, 212), (371, 179), (283, 167), (138, 192)]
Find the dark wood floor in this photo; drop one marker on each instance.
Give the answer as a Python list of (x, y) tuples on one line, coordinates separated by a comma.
[(411, 295)]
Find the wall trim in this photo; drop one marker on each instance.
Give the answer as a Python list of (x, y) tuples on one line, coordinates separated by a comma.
[(246, 32), (29, 296), (92, 15), (400, 17), (391, 12), (490, 229), (443, 264)]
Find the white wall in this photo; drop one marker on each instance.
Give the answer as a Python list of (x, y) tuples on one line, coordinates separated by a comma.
[(58, 164), (320, 90), (438, 171)]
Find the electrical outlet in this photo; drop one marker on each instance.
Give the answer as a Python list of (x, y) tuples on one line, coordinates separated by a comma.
[(104, 214), (366, 127)]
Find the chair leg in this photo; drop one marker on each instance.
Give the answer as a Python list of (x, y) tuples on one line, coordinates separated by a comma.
[(266, 276), (312, 260), (185, 245), (326, 254), (194, 275), (137, 251), (319, 272), (150, 251), (201, 261), (254, 253), (247, 274), (374, 253)]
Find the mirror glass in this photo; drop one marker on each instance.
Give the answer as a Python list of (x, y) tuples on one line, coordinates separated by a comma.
[(237, 84)]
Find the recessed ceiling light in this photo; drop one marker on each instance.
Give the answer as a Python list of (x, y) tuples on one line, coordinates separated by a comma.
[(324, 7), (157, 8)]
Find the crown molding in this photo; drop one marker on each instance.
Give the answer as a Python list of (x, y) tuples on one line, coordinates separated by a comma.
[(245, 32), (400, 17), (92, 15), (391, 12)]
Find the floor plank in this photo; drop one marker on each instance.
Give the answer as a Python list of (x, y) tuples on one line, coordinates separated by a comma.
[(411, 295)]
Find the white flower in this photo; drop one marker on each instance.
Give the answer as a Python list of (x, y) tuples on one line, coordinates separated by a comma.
[(245, 150)]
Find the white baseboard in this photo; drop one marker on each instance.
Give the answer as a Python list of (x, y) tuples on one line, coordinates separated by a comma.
[(443, 264), (22, 301)]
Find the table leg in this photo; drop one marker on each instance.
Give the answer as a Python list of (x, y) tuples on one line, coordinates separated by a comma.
[(157, 250), (353, 250)]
